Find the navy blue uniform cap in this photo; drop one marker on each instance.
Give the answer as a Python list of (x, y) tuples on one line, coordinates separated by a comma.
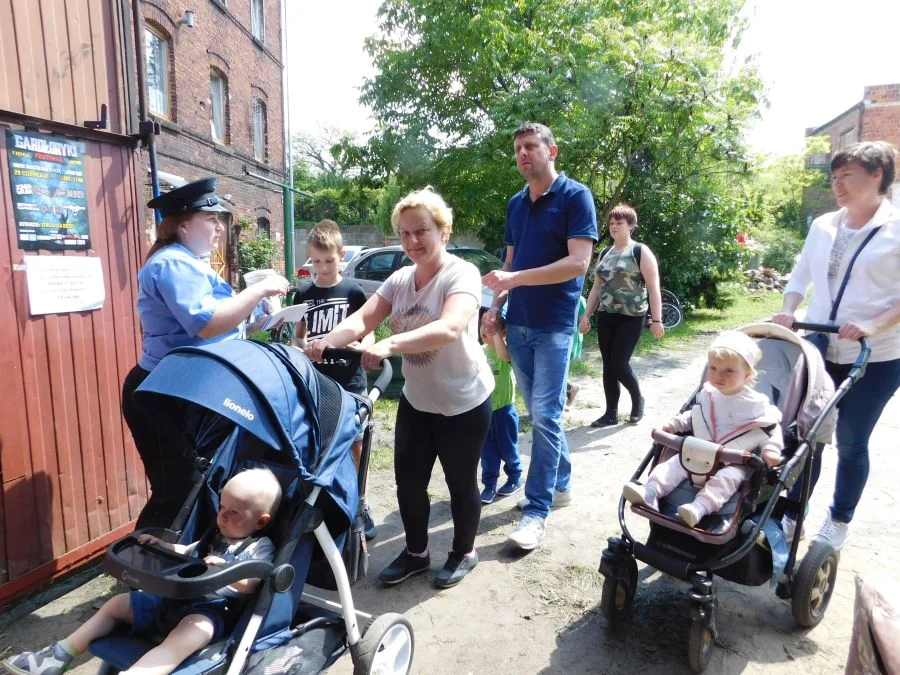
[(197, 196)]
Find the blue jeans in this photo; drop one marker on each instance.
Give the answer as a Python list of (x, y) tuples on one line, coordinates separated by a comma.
[(501, 444), (540, 359), (858, 412)]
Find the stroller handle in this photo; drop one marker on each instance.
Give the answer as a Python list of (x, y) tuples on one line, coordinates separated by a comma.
[(344, 356), (856, 370)]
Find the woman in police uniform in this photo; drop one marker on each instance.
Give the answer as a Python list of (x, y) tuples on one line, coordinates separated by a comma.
[(181, 301)]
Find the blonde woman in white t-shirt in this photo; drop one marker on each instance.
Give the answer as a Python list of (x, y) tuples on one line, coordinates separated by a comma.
[(445, 410), (861, 175)]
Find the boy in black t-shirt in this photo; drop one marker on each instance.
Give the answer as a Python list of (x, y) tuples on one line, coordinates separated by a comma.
[(330, 299)]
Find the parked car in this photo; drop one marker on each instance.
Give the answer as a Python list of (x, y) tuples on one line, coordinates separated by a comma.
[(350, 252), (371, 267)]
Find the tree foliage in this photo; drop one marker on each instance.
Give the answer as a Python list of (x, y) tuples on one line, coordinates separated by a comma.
[(635, 90), (256, 252)]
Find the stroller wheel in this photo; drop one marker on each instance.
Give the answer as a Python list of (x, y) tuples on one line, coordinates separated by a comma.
[(814, 584), (386, 647), (701, 640), (617, 596)]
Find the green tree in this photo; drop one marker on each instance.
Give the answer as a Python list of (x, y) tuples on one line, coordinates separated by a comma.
[(636, 91), (256, 252), (775, 195)]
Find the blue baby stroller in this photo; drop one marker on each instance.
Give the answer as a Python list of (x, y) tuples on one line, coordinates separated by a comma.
[(247, 404), (743, 540)]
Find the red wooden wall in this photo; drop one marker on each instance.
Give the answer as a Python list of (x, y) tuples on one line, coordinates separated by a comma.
[(71, 479)]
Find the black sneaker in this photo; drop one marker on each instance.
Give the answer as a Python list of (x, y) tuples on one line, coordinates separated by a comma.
[(403, 567), (368, 523), (455, 569), (609, 419)]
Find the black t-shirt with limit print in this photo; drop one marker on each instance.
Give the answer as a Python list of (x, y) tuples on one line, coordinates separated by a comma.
[(327, 307)]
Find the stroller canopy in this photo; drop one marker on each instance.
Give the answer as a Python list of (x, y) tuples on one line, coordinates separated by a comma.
[(271, 391)]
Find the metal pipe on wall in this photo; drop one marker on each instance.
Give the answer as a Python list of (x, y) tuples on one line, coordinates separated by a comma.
[(146, 126)]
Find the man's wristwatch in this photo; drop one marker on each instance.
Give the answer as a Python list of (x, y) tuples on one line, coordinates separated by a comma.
[(655, 321)]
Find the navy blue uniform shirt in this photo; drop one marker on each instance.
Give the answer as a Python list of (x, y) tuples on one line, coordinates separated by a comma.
[(540, 232)]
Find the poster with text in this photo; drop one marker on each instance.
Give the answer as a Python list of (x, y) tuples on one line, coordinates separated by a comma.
[(48, 192)]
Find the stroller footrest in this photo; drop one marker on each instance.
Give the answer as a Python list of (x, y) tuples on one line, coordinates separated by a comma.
[(661, 561)]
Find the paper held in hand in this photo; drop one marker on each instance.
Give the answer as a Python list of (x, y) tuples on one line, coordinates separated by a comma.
[(290, 314)]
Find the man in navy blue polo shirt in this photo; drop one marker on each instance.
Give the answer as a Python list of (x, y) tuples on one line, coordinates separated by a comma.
[(551, 228)]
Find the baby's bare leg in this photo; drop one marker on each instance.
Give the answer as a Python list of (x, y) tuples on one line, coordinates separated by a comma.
[(191, 634), (117, 608)]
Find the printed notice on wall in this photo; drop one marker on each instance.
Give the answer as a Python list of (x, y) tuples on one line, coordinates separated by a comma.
[(59, 284), (49, 196)]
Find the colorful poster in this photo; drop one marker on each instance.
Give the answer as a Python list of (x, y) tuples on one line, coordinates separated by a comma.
[(49, 195)]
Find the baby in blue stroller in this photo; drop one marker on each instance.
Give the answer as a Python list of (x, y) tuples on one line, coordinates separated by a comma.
[(234, 574), (247, 503)]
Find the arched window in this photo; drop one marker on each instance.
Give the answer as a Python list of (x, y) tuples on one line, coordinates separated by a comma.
[(260, 130), (156, 58), (218, 114), (262, 227)]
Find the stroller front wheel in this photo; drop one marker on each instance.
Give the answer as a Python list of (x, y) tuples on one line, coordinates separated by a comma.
[(701, 640), (619, 588), (386, 648), (814, 584)]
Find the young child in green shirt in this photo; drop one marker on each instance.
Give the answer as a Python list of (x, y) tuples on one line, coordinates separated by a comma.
[(502, 442)]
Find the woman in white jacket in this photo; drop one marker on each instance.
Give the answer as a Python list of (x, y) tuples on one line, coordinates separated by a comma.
[(870, 307)]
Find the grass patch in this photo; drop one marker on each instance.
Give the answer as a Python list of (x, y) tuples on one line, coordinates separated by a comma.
[(382, 457), (742, 307), (583, 368)]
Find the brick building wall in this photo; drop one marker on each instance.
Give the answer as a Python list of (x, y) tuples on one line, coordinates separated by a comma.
[(222, 40), (875, 118)]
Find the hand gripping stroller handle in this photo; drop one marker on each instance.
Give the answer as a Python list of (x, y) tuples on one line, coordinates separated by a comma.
[(348, 357), (158, 570), (341, 356)]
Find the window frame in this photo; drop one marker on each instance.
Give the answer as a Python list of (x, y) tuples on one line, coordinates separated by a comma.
[(258, 12), (165, 43), (217, 74), (361, 270), (259, 130)]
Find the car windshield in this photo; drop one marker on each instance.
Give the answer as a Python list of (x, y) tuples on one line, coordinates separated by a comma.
[(349, 253)]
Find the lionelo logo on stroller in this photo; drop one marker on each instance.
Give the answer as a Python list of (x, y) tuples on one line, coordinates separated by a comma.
[(243, 412)]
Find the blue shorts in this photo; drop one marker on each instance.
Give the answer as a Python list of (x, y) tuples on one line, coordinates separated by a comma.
[(155, 615)]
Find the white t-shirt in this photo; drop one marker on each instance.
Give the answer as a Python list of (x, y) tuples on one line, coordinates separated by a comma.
[(455, 378), (873, 286)]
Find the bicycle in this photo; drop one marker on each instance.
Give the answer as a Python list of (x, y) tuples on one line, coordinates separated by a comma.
[(672, 311)]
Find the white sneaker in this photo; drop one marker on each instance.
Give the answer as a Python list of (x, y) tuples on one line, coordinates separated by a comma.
[(833, 532), (560, 499), (691, 513), (529, 532), (643, 495)]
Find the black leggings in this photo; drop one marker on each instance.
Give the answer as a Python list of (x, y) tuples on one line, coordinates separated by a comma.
[(419, 439), (168, 458), (617, 336)]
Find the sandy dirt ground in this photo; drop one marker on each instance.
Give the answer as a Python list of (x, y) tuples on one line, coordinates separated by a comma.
[(540, 613)]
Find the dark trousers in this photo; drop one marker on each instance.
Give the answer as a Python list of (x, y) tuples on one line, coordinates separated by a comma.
[(419, 439), (168, 458), (858, 412), (617, 336)]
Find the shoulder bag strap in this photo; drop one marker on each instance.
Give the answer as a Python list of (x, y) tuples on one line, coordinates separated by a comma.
[(840, 293)]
